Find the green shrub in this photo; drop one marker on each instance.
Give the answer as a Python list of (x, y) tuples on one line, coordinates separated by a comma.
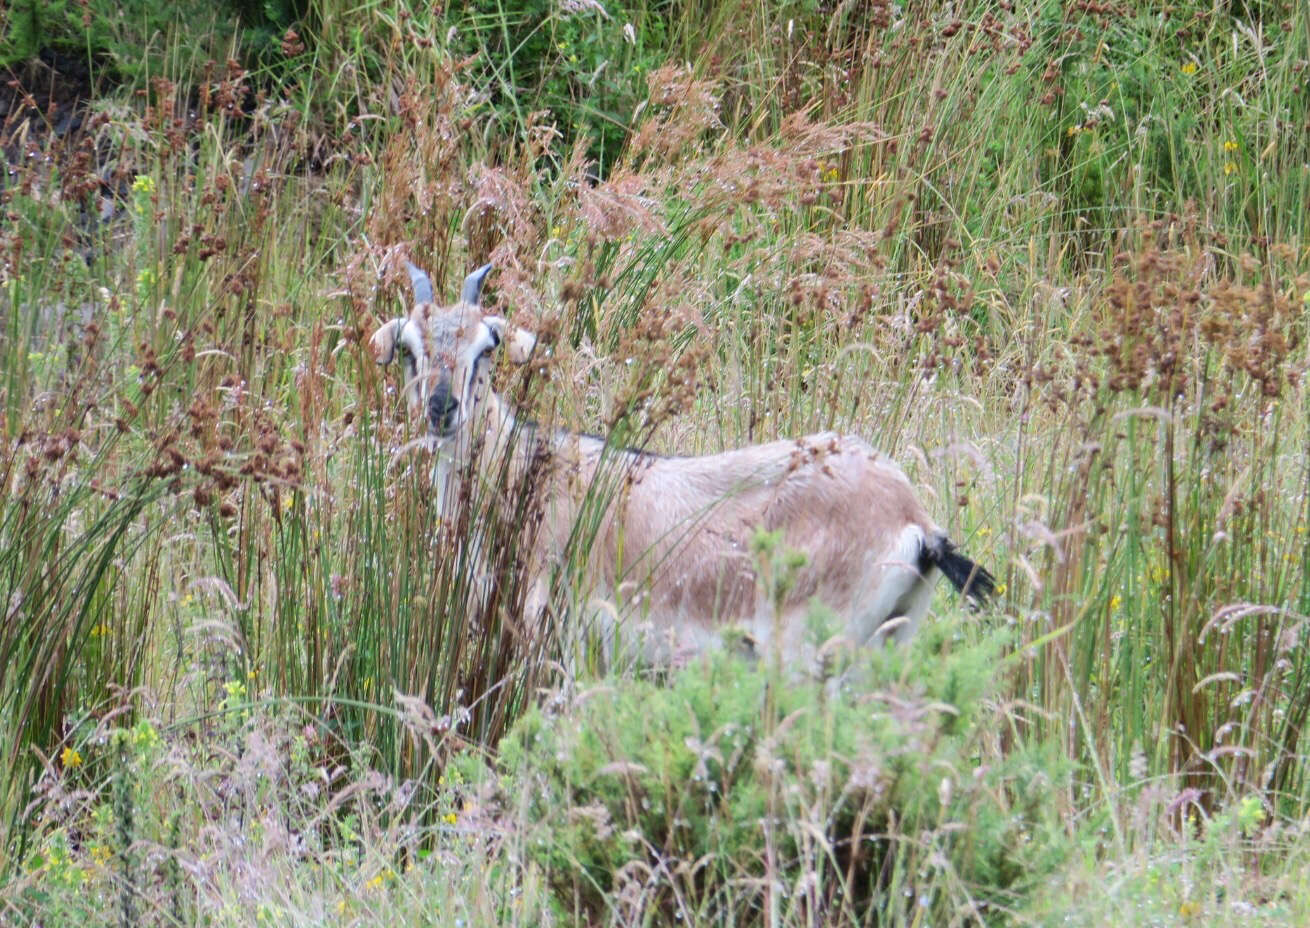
[(725, 793), (126, 36)]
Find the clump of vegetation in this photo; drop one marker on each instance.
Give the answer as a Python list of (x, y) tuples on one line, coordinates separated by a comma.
[(729, 794)]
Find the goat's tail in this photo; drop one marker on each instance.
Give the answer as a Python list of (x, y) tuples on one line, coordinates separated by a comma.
[(971, 579)]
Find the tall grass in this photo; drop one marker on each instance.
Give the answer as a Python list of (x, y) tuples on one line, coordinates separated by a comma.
[(1051, 258)]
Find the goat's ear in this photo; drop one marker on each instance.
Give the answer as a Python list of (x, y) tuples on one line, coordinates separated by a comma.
[(472, 290), (519, 342), (383, 341)]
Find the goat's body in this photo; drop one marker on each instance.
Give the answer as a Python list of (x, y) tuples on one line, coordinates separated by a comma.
[(673, 548)]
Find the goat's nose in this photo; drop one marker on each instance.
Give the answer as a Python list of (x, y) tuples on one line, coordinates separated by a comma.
[(441, 407)]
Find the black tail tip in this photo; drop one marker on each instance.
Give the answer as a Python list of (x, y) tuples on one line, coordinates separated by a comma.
[(971, 579)]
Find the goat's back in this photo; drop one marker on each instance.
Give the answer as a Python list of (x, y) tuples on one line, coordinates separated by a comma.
[(676, 547)]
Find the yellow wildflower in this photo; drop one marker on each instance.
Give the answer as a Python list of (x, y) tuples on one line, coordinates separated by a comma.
[(69, 757), (234, 695), (143, 189), (1189, 68), (1229, 168), (1230, 145), (144, 735), (450, 818)]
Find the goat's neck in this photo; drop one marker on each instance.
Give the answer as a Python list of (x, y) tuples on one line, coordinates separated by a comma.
[(505, 434), (500, 433)]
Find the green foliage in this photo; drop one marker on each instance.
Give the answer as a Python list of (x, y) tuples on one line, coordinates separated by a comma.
[(64, 636), (1148, 110), (695, 795), (130, 37), (266, 22), (585, 63)]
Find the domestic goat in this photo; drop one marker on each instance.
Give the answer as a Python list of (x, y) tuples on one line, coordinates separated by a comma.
[(674, 545)]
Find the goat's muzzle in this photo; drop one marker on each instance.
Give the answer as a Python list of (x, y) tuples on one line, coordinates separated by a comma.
[(443, 410)]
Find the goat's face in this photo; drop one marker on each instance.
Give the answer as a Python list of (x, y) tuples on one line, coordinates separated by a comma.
[(447, 354)]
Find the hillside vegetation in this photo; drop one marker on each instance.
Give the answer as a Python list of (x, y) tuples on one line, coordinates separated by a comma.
[(1051, 256)]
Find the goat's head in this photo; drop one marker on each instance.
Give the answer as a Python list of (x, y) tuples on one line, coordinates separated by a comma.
[(446, 353)]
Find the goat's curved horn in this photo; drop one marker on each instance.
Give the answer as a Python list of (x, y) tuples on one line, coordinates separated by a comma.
[(420, 282), (472, 291)]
